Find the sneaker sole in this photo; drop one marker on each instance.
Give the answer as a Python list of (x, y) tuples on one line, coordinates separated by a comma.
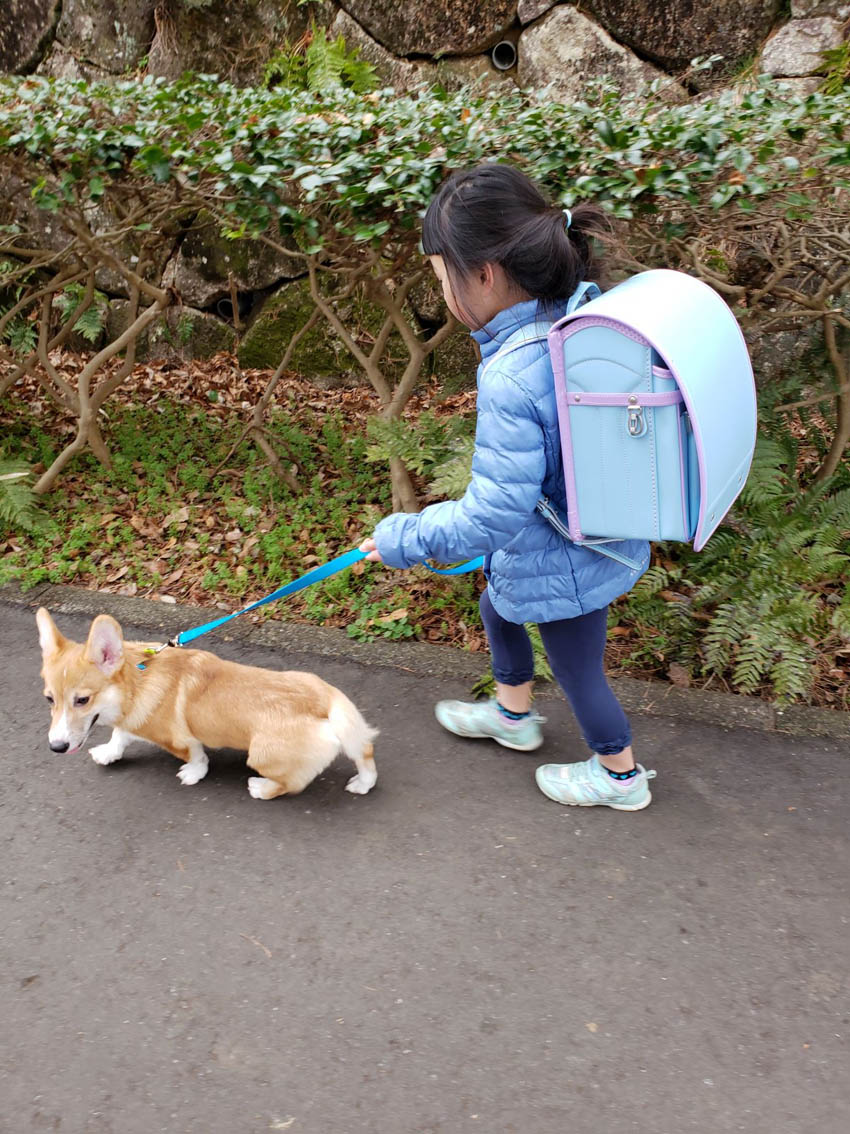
[(498, 739), (489, 736), (598, 803)]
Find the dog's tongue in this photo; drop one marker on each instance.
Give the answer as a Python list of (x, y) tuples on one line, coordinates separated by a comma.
[(71, 751)]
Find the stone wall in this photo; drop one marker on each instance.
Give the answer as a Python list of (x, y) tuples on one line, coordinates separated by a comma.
[(524, 43), (540, 40)]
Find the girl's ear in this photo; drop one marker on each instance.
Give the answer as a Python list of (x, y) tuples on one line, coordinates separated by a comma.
[(105, 644), (492, 278)]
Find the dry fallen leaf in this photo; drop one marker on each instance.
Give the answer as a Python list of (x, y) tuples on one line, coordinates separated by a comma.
[(679, 676), (395, 616)]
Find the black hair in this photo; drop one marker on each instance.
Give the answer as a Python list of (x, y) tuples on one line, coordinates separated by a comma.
[(494, 214)]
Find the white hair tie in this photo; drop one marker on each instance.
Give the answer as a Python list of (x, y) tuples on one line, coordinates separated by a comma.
[(569, 217)]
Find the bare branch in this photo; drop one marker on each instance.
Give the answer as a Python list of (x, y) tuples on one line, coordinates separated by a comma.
[(113, 348), (60, 280), (373, 373), (841, 437), (255, 425), (105, 389), (65, 393)]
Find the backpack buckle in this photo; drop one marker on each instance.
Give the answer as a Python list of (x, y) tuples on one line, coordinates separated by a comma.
[(636, 423)]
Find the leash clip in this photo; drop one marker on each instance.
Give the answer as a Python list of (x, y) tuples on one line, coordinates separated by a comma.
[(152, 651)]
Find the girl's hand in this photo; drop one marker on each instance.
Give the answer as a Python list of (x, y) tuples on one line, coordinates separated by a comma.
[(371, 547)]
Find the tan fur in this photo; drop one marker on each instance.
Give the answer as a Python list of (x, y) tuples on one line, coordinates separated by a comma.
[(291, 724)]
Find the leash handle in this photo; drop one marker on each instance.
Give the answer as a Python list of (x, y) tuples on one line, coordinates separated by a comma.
[(460, 569)]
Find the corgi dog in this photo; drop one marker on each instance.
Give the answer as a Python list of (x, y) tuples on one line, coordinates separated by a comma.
[(291, 724)]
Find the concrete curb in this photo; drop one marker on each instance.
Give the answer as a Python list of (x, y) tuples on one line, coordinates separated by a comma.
[(163, 620)]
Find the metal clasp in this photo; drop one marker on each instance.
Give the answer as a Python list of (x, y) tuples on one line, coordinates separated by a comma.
[(636, 422), (152, 651)]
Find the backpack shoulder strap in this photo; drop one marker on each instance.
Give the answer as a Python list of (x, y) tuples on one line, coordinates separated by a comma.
[(535, 333), (585, 291), (538, 332)]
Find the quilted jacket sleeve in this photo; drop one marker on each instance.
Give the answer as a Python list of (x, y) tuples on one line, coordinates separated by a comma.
[(508, 468)]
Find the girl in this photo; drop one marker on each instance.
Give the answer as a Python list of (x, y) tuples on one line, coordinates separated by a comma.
[(508, 261)]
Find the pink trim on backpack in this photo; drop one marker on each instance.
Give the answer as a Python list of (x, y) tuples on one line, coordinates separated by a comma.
[(556, 353), (597, 321), (664, 398)]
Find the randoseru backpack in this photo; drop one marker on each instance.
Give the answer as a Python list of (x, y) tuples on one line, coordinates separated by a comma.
[(656, 410)]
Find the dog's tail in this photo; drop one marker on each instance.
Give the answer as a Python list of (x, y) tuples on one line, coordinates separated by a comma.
[(355, 738)]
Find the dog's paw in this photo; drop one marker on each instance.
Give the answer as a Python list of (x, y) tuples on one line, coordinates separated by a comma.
[(261, 788), (192, 772), (105, 754), (357, 785)]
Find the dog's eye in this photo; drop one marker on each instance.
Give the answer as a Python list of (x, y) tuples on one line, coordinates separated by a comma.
[(81, 700), (49, 698)]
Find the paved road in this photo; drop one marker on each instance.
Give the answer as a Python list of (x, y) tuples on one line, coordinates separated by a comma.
[(450, 954)]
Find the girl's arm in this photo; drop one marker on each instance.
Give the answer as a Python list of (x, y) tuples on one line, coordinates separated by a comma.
[(508, 467)]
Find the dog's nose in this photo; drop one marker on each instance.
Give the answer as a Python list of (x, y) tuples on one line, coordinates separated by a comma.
[(59, 746)]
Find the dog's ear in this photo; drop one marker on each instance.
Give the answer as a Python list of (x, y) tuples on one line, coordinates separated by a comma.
[(105, 644), (49, 637)]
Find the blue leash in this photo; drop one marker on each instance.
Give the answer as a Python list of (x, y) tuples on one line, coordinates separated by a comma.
[(332, 567)]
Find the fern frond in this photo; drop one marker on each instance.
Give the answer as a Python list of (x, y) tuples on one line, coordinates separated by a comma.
[(91, 322), (358, 74), (825, 561), (21, 336), (18, 503), (452, 476), (768, 477), (835, 510), (840, 619), (325, 61), (652, 581), (792, 612), (728, 626), (793, 674), (752, 662), (722, 545)]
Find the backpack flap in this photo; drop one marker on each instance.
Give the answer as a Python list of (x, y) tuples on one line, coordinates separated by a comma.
[(657, 410)]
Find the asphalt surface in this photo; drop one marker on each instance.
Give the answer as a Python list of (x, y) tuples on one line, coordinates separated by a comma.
[(452, 953)]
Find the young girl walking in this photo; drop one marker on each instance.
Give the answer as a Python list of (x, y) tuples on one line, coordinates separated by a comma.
[(508, 262)]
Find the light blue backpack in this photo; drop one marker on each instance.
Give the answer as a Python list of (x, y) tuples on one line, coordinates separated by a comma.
[(656, 409)]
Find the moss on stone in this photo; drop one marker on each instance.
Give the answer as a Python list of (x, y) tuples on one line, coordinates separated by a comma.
[(320, 356), (181, 333), (202, 269), (455, 363)]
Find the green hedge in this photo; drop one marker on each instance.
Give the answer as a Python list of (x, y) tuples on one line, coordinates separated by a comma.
[(276, 156)]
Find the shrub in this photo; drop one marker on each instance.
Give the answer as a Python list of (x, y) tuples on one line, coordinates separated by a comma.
[(748, 191)]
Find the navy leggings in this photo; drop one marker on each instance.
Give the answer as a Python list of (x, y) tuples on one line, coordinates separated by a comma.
[(575, 648)]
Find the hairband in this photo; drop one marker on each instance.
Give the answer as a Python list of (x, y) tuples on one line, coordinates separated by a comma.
[(569, 217)]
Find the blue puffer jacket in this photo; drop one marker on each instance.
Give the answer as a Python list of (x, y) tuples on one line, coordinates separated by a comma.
[(534, 574)]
